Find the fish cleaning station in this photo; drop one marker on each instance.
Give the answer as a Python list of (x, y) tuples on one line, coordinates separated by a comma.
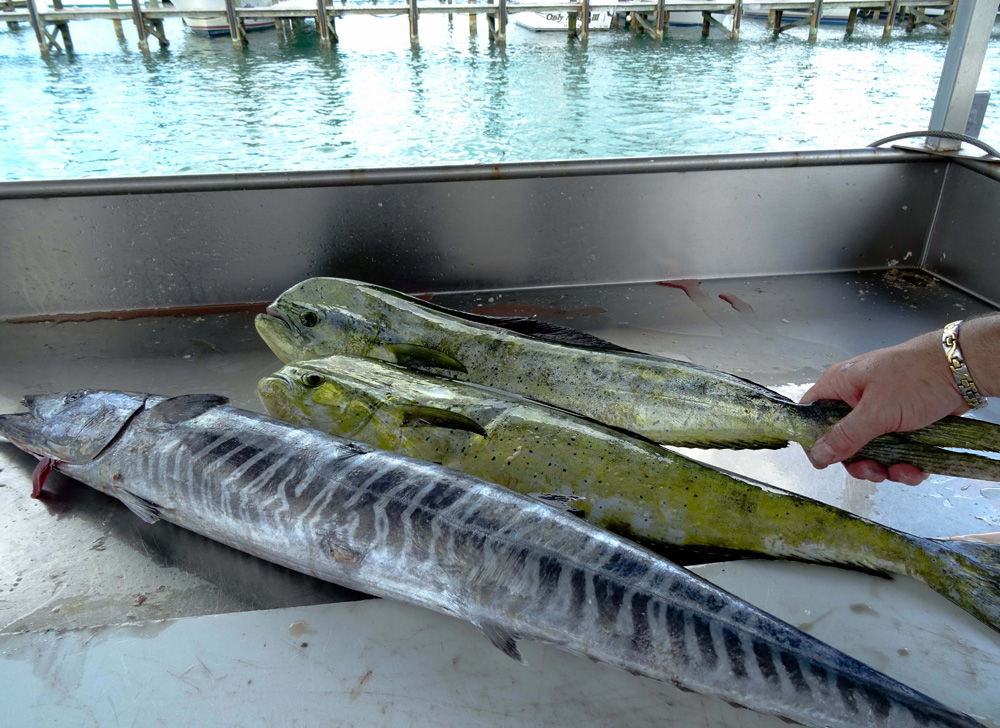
[(769, 267)]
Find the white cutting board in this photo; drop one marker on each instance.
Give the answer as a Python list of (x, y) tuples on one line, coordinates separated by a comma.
[(381, 663)]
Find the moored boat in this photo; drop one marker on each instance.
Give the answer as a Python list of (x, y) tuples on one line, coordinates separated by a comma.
[(217, 24)]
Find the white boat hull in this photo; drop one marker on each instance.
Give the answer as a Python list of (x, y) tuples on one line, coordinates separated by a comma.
[(218, 24)]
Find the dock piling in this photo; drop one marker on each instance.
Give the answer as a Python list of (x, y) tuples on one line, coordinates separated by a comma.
[(706, 23), (585, 17), (63, 28), (119, 31), (236, 29), (472, 20), (41, 35), (658, 21), (852, 18), (572, 25), (890, 17), (817, 14), (414, 27), (737, 20)]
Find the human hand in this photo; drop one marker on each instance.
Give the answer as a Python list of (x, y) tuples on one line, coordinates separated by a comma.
[(900, 388)]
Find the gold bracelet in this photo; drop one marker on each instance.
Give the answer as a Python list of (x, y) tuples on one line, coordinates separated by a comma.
[(956, 362)]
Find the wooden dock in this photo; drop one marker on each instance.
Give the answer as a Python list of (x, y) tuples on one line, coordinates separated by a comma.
[(650, 18)]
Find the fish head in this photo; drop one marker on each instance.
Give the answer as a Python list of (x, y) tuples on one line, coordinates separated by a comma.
[(319, 394), (71, 427), (319, 317)]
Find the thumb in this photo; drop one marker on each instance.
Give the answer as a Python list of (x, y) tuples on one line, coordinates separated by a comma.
[(847, 436)]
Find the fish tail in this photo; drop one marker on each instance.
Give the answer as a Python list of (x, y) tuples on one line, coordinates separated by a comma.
[(963, 432), (900, 448), (968, 574)]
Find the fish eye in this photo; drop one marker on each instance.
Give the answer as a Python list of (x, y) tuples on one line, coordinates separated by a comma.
[(73, 397), (309, 318), (311, 380)]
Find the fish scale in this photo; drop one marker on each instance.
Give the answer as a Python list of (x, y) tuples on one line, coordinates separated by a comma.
[(512, 565)]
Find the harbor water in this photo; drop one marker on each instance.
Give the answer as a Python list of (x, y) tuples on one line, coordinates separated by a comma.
[(286, 103)]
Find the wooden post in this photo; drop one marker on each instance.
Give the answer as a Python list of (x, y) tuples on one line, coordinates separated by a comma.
[(450, 16), (572, 25), (737, 20), (472, 20), (951, 17), (414, 34), (706, 24), (817, 13), (140, 25), (236, 31), (890, 16), (119, 32), (322, 23), (777, 20), (12, 24), (36, 25), (658, 21), (585, 17), (491, 24), (502, 23), (666, 22), (157, 26), (62, 27), (770, 19), (851, 19), (634, 25)]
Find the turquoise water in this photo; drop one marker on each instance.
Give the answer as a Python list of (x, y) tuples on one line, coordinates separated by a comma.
[(285, 103)]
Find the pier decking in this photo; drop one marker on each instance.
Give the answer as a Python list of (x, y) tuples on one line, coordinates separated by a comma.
[(644, 17)]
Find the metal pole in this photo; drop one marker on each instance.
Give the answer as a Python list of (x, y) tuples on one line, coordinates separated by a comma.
[(962, 65)]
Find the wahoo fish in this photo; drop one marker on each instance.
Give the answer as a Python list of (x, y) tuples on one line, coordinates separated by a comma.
[(618, 481), (397, 527), (667, 401)]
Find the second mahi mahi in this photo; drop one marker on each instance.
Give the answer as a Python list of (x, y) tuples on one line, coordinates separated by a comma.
[(619, 481)]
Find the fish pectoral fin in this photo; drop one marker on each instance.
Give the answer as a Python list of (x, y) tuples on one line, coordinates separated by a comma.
[(503, 639), (568, 503), (417, 415), (409, 355), (145, 509), (186, 407)]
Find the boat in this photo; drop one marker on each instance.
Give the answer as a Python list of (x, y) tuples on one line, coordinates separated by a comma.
[(559, 21), (214, 25)]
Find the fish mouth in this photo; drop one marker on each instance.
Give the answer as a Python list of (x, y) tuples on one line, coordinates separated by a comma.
[(274, 313), (269, 383)]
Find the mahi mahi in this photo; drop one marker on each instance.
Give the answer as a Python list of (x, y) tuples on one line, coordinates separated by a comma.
[(619, 481), (398, 527), (668, 401)]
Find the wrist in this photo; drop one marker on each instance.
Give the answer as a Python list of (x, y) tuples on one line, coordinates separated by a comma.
[(979, 339)]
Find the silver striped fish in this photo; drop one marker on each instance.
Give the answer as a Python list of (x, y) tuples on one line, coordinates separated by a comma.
[(397, 527)]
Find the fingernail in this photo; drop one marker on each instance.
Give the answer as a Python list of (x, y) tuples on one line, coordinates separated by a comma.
[(821, 453)]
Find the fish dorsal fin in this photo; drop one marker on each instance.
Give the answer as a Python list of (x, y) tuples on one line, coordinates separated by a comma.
[(555, 333), (525, 326), (418, 415), (568, 503), (416, 355), (145, 509), (186, 407), (503, 639)]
